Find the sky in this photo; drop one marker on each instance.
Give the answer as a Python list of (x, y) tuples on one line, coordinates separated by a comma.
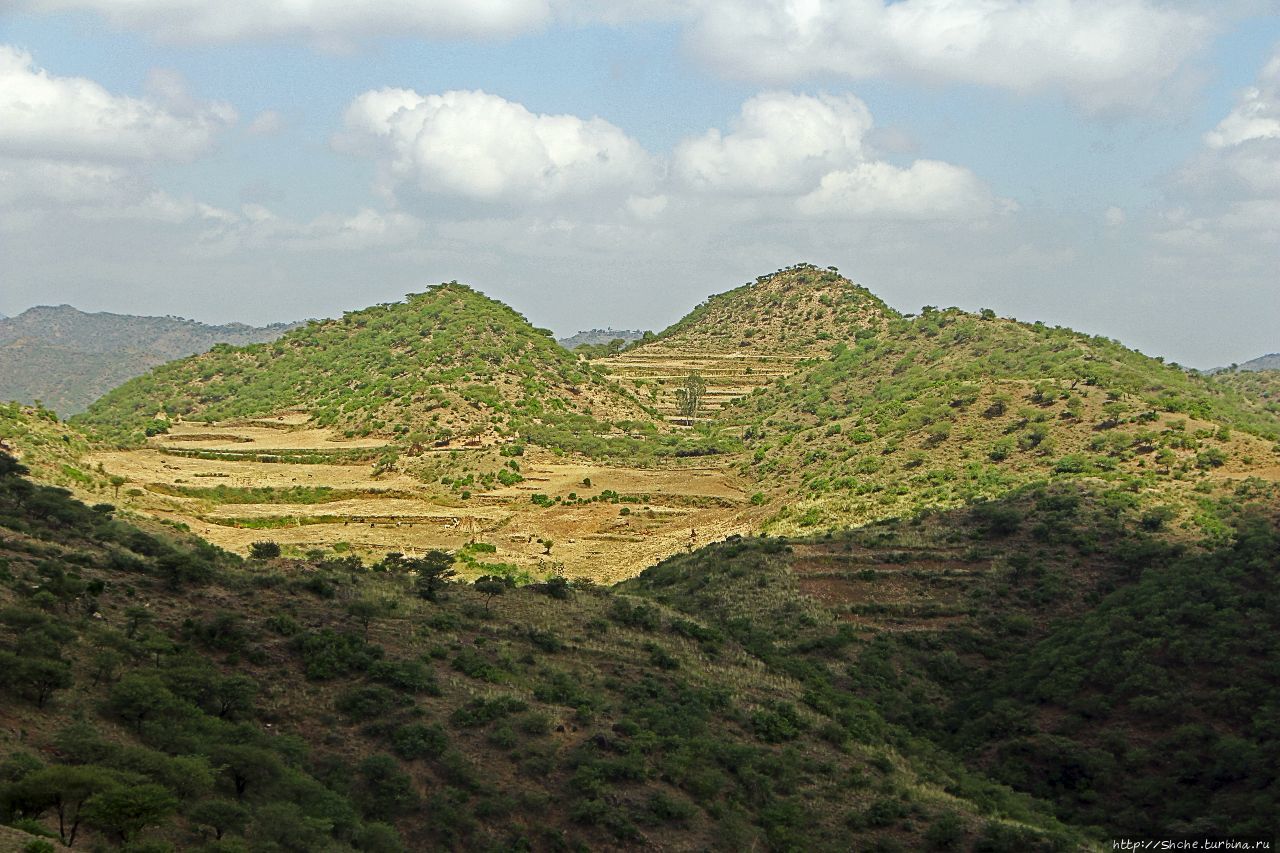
[(1109, 165)]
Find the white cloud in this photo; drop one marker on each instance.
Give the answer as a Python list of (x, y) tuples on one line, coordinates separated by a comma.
[(1102, 53), (647, 207), (1256, 114), (329, 23), (73, 118), (1242, 153), (482, 147), (927, 189), (39, 183), (780, 142), (812, 151), (1221, 225), (1114, 217), (266, 123)]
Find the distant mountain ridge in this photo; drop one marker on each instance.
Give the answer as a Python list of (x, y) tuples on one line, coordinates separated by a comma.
[(596, 337), (67, 358), (1270, 361), (103, 332)]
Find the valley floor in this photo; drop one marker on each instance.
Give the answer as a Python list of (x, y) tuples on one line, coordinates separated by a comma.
[(307, 488)]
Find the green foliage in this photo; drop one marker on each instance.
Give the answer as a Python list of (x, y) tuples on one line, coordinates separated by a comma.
[(442, 366), (434, 570), (264, 550)]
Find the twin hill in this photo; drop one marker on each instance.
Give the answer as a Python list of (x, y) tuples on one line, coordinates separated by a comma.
[(820, 407)]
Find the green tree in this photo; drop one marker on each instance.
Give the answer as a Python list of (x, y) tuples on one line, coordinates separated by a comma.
[(434, 570), (232, 696), (126, 810), (138, 697), (489, 586), (136, 617), (34, 678), (246, 766), (384, 791), (365, 610), (64, 788), (286, 827), (220, 816), (689, 397)]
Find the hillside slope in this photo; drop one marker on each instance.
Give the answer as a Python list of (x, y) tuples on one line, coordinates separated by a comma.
[(67, 358), (194, 700), (949, 407), (445, 365), (748, 337), (1056, 640), (1260, 385)]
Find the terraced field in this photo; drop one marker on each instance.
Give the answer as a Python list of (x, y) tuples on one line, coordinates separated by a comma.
[(654, 373), (306, 488), (748, 338), (910, 588)]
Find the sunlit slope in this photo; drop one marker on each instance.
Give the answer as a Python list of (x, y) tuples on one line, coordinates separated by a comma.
[(446, 364), (950, 406), (748, 337), (52, 450), (1262, 387)]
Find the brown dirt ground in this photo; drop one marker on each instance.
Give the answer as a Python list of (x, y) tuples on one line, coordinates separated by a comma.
[(590, 540)]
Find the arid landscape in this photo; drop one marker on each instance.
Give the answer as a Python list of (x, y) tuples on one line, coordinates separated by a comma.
[(544, 426), (624, 520)]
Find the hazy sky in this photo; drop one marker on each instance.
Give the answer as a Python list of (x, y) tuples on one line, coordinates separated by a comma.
[(1112, 165)]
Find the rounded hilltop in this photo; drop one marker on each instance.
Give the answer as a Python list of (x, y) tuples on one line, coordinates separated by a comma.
[(443, 364), (748, 338), (798, 310)]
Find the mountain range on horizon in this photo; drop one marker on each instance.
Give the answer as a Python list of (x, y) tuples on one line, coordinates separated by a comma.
[(67, 358)]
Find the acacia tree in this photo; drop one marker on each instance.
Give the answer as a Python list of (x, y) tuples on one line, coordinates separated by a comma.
[(434, 570), (689, 397), (126, 810), (489, 586), (65, 789)]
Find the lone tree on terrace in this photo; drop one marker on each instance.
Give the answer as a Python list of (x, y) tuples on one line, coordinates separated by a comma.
[(689, 397)]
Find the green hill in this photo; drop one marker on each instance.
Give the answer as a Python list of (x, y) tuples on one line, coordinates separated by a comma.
[(1270, 361), (794, 311), (50, 448), (1058, 641), (445, 365), (1261, 385), (746, 338), (950, 407)]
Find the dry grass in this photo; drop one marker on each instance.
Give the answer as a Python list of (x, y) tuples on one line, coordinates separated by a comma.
[(674, 508)]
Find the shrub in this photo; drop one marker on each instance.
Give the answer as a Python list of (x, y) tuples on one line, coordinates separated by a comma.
[(641, 616), (264, 550), (326, 654), (368, 702), (419, 741), (478, 712)]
